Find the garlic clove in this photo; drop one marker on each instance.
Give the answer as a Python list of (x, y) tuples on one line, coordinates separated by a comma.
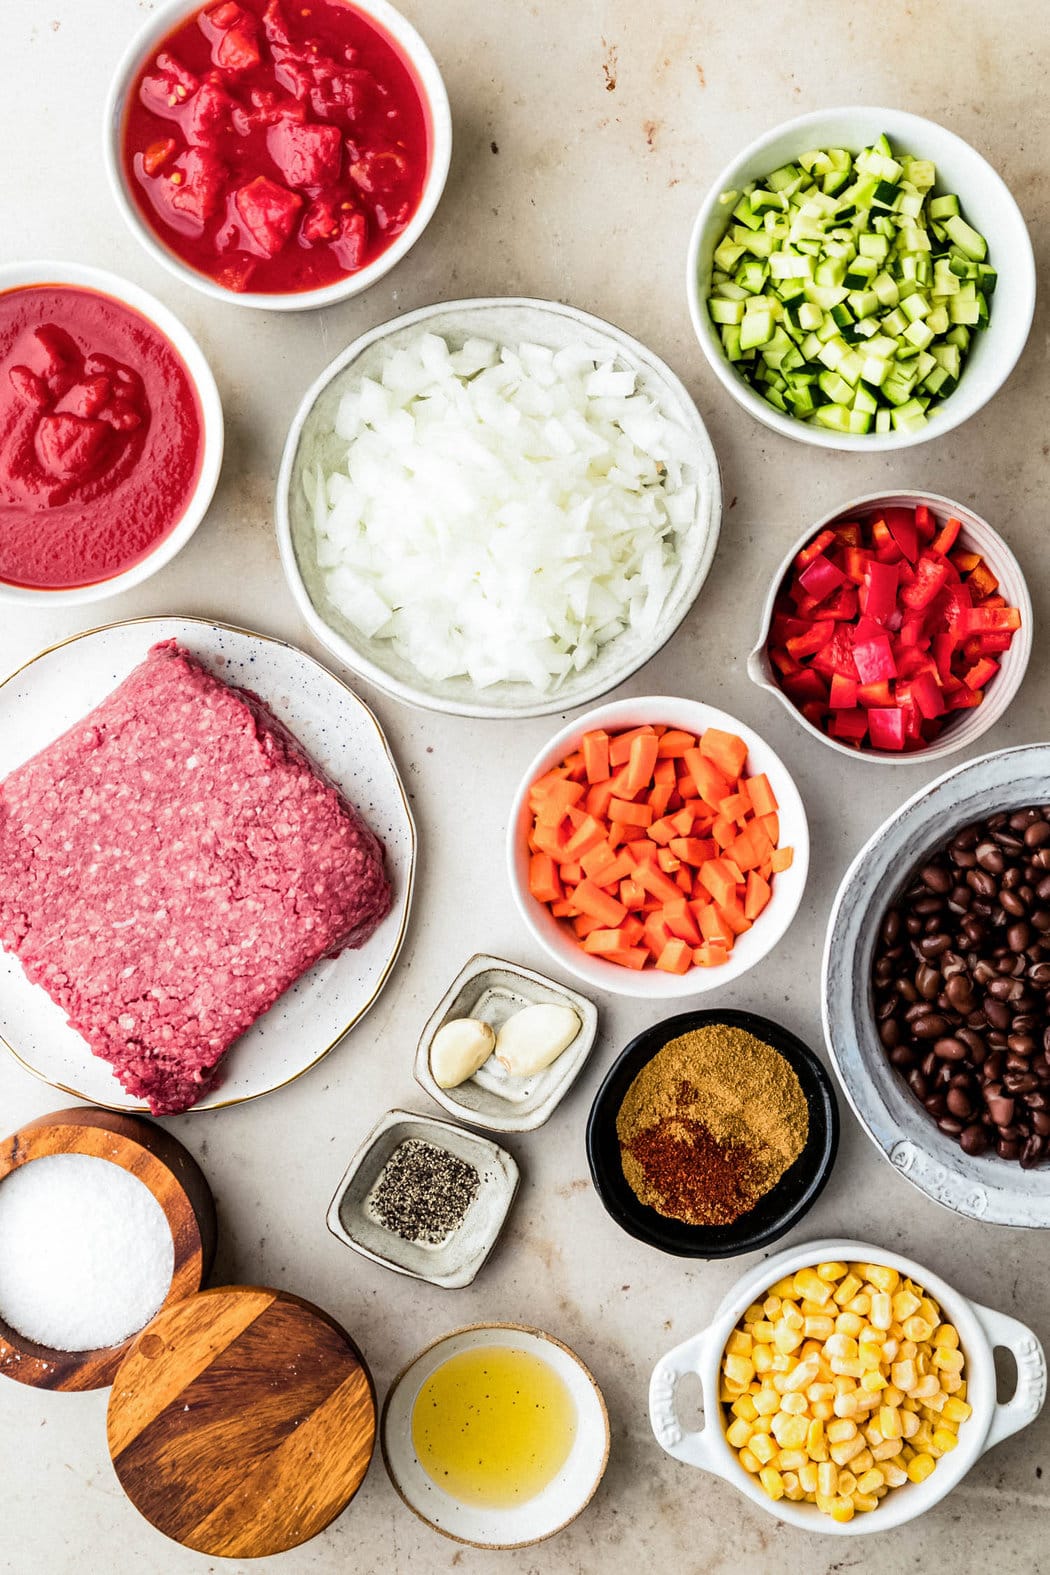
[(458, 1048), (534, 1037)]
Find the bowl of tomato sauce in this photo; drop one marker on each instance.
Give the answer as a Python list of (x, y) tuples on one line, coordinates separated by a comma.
[(278, 154), (111, 434)]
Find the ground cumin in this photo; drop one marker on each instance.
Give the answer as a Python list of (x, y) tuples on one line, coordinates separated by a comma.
[(710, 1125)]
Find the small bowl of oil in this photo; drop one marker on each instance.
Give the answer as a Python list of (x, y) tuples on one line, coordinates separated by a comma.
[(496, 1435)]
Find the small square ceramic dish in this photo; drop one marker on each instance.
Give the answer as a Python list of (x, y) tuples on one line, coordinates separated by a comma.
[(455, 1261), (492, 990)]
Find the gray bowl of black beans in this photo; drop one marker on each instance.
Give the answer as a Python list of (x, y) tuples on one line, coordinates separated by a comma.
[(936, 991)]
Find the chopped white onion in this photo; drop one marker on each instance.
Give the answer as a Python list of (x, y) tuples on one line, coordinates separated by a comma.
[(500, 512)]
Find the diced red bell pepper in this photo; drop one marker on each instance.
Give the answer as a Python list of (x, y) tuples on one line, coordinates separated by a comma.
[(901, 525), (886, 548), (814, 640), (992, 620), (806, 685), (850, 534), (875, 694), (886, 727), (874, 659), (982, 581), (842, 608), (818, 545), (913, 629), (814, 711), (926, 693), (843, 695), (931, 575), (850, 725), (821, 577), (855, 561), (837, 655), (946, 537), (878, 595), (783, 661), (943, 647), (980, 675), (963, 699), (925, 523)]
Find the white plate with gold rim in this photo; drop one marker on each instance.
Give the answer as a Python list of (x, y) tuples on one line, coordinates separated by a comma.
[(535, 1519), (54, 690)]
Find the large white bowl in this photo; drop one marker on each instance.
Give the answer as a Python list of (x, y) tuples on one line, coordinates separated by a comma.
[(981, 1331), (965, 727), (982, 1187), (428, 78), (507, 321), (651, 983), (19, 275), (987, 204)]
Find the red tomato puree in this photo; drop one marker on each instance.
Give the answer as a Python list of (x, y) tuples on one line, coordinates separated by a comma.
[(100, 437), (276, 146)]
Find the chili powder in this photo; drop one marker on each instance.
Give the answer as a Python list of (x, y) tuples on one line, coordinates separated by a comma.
[(710, 1124)]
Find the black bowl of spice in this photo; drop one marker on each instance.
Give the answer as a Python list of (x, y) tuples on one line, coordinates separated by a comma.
[(713, 1133)]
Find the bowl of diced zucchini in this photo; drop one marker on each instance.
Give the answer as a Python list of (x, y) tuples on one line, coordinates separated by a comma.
[(861, 279)]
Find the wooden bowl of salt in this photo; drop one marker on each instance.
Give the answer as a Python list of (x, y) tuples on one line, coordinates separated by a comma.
[(105, 1219)]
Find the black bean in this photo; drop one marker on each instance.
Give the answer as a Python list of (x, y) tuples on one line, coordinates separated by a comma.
[(990, 857)]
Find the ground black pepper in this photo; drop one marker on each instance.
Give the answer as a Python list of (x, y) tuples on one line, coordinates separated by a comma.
[(423, 1192)]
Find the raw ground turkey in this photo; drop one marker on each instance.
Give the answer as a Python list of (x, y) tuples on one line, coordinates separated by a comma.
[(171, 865)]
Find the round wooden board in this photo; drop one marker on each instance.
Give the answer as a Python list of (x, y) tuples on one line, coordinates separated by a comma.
[(179, 1186), (242, 1421)]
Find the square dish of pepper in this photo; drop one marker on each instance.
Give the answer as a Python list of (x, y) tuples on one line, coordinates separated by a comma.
[(712, 1134)]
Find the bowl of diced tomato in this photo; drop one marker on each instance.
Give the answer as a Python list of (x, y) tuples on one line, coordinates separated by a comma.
[(278, 155), (657, 848), (898, 628)]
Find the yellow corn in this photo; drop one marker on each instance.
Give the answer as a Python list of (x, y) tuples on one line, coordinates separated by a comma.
[(745, 1408), (944, 1440), (881, 1310), (749, 1462), (849, 1324), (905, 1303), (762, 1447), (864, 1503), (807, 1476), (838, 1431), (753, 1313), (842, 1454), (871, 1481), (772, 1481), (847, 1483), (956, 1410), (889, 1422), (841, 1509), (738, 1369), (819, 1326), (946, 1334), (791, 1459), (847, 1289), (795, 1405), (921, 1467), (832, 1270)]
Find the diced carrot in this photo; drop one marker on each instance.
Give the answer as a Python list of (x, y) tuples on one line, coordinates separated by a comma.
[(664, 771), (659, 798), (620, 746), (684, 880), (634, 957), (600, 942), (686, 786), (676, 957), (763, 799), (667, 861), (725, 750), (713, 926), (735, 917), (585, 924), (596, 755), (736, 807), (661, 831), (563, 909), (586, 836), (724, 831), (544, 881), (771, 826), (711, 955), (682, 821), (630, 814), (656, 883), (576, 767), (750, 849), (618, 783), (641, 760), (694, 850), (632, 893), (542, 785), (681, 922), (571, 873), (632, 930), (734, 868), (710, 783), (644, 851), (552, 840), (782, 859), (597, 859), (589, 898), (757, 895), (630, 833), (598, 799), (620, 869), (555, 803), (719, 880), (675, 743), (656, 933)]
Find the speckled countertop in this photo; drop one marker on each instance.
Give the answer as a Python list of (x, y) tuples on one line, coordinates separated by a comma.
[(586, 134)]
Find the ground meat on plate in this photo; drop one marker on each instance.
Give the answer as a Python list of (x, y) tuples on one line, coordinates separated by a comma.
[(171, 865)]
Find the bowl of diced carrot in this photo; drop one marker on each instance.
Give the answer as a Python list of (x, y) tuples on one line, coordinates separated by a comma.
[(657, 848), (898, 628)]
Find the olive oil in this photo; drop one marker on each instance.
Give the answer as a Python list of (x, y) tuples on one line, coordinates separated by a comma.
[(493, 1425)]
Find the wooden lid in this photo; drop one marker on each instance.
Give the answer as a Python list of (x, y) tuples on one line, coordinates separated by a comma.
[(176, 1181), (242, 1421)]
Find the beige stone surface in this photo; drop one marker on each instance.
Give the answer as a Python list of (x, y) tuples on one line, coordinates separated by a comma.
[(586, 136)]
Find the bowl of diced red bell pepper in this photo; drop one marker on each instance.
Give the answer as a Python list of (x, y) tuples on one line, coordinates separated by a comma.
[(657, 848), (899, 627)]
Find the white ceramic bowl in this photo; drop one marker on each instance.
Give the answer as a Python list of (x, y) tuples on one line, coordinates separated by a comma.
[(507, 321), (983, 1187), (493, 990), (560, 1502), (965, 727), (19, 275), (649, 983), (981, 1330), (987, 204), (163, 21)]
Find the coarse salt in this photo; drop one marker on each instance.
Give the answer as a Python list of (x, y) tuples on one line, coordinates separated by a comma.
[(86, 1253)]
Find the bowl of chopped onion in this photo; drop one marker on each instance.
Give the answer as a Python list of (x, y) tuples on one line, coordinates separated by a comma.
[(497, 508), (861, 278)]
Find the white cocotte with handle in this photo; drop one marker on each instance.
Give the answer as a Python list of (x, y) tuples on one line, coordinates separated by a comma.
[(980, 1331)]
